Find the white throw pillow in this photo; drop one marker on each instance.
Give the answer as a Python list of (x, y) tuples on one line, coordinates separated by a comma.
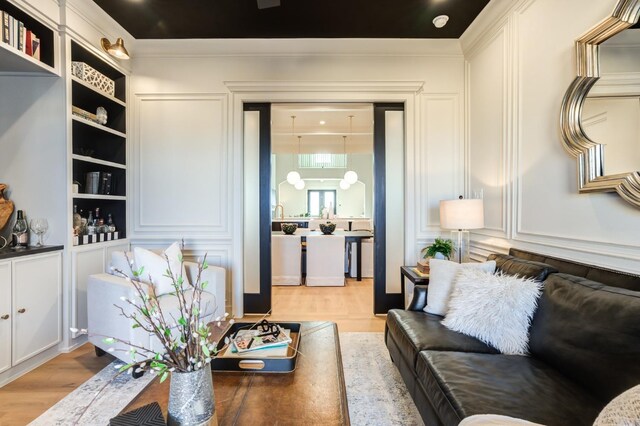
[(119, 263), (155, 267), (442, 274), (496, 309), (623, 410)]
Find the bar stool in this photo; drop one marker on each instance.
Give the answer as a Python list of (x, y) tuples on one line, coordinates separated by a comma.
[(286, 260), (325, 260)]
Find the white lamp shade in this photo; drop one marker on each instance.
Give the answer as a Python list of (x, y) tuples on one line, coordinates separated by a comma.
[(351, 177), (293, 177), (462, 214), (344, 184), (299, 184)]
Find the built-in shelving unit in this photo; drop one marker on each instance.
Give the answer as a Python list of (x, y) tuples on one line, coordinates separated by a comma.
[(98, 147), (14, 61)]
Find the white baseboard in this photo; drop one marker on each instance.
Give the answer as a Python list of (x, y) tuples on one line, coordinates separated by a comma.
[(24, 367)]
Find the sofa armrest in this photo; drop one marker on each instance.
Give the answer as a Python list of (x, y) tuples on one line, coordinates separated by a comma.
[(419, 300)]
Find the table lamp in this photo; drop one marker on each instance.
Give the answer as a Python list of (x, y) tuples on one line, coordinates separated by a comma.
[(461, 215)]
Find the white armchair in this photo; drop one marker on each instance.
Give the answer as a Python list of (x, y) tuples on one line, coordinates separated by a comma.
[(104, 292)]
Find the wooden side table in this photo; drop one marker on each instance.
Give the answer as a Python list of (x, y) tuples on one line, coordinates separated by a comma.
[(414, 278)]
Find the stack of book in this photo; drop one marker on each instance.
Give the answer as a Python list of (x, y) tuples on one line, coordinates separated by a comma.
[(98, 183), (254, 339), (16, 35)]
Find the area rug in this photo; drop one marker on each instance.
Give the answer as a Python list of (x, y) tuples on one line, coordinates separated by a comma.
[(376, 393)]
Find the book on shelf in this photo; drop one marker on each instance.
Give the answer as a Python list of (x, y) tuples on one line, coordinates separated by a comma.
[(17, 35), (105, 183), (92, 182), (254, 339)]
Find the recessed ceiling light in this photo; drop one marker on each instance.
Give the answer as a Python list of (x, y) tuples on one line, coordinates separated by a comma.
[(440, 21), (322, 122)]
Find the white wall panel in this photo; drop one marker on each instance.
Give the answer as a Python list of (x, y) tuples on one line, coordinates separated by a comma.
[(487, 149), (180, 165), (537, 60)]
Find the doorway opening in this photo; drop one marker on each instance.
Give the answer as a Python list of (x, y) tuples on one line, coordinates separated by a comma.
[(285, 169)]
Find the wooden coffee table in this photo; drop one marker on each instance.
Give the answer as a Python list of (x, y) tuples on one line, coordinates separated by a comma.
[(312, 394)]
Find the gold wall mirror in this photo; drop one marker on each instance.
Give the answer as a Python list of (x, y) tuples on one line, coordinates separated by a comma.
[(600, 113)]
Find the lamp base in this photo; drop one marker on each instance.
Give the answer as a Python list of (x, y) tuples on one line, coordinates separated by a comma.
[(460, 240)]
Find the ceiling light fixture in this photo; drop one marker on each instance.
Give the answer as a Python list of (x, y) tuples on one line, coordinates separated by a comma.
[(300, 183), (322, 122), (440, 21), (344, 185), (293, 176), (117, 49), (350, 176)]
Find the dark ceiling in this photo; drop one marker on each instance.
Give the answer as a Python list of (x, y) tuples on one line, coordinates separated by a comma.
[(157, 19)]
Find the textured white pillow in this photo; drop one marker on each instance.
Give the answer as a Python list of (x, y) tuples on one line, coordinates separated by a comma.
[(155, 267), (442, 274), (623, 410), (496, 309)]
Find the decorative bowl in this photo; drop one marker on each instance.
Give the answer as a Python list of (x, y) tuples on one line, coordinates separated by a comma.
[(289, 228), (327, 228)]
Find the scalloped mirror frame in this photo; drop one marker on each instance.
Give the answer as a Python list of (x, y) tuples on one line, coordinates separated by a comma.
[(590, 154)]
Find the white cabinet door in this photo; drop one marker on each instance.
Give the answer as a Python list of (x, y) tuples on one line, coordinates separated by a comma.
[(5, 316), (83, 263), (37, 291)]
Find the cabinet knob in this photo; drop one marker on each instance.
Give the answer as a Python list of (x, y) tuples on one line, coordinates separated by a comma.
[(22, 310), (5, 317)]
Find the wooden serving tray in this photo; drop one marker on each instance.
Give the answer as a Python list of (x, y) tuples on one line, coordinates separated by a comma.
[(253, 361)]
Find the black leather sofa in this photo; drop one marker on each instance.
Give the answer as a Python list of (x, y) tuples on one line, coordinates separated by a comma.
[(584, 344)]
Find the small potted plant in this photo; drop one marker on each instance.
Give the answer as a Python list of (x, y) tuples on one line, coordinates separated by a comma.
[(440, 249)]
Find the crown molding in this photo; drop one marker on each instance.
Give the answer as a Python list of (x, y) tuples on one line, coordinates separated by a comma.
[(298, 47)]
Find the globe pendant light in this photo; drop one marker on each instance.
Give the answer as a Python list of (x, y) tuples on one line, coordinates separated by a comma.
[(293, 176), (350, 176), (344, 184), (300, 183)]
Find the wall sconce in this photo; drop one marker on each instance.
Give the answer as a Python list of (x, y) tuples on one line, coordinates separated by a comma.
[(117, 49)]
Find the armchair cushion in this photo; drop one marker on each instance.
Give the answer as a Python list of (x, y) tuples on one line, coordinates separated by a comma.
[(156, 265)]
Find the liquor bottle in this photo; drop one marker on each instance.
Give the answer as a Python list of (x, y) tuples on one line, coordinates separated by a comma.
[(110, 225), (83, 223), (21, 232), (91, 226), (99, 222), (77, 221)]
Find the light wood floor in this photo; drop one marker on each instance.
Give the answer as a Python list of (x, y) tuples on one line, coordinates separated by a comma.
[(351, 307)]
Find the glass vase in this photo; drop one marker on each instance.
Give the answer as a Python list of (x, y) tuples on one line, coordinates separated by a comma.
[(191, 399)]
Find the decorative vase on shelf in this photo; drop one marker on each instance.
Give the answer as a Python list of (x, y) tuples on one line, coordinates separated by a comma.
[(191, 399)]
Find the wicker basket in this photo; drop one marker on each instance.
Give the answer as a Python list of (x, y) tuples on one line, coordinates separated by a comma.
[(98, 80)]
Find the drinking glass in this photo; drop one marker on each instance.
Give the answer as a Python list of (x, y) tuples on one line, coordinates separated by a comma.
[(39, 227)]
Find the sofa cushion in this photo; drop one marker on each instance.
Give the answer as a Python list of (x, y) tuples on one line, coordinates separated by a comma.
[(156, 268), (590, 332), (171, 306), (464, 384), (522, 267), (417, 331)]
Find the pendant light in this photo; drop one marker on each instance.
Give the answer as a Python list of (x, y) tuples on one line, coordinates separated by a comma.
[(299, 185), (344, 185), (293, 176), (350, 176)]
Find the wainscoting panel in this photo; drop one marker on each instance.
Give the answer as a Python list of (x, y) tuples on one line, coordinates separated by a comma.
[(439, 157), (181, 166)]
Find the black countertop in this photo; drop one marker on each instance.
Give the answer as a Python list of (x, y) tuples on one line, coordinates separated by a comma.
[(8, 253)]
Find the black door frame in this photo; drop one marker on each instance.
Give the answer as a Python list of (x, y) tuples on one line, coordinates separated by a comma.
[(382, 301), (255, 303), (260, 303)]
